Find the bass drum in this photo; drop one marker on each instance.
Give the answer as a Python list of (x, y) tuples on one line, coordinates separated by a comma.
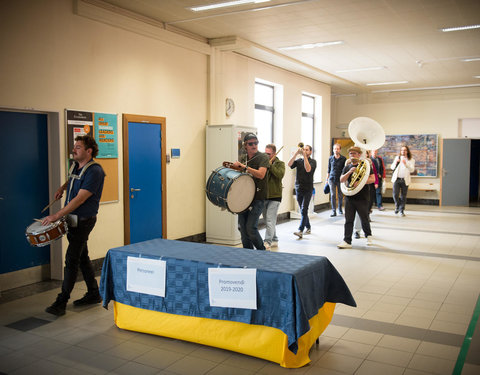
[(230, 189)]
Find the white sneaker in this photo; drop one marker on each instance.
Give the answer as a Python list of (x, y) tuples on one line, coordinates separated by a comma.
[(308, 231), (267, 246), (274, 244), (369, 241), (299, 234), (344, 245)]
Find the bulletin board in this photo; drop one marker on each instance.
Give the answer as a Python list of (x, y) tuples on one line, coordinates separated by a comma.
[(424, 149), (102, 127)]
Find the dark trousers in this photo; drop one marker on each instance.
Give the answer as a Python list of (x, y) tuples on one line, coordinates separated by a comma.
[(77, 257), (351, 207), (248, 226), (334, 190), (400, 189), (303, 199)]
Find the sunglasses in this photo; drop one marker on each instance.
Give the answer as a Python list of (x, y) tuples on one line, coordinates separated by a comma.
[(252, 143)]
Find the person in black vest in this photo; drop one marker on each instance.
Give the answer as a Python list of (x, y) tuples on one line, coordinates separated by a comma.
[(303, 185), (84, 190), (336, 162)]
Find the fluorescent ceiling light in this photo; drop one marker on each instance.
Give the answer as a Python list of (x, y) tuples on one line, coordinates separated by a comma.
[(361, 69), (386, 83), (476, 76), (471, 59), (459, 28), (312, 45), (225, 4)]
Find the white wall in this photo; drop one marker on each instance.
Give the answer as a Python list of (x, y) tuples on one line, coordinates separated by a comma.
[(421, 112)]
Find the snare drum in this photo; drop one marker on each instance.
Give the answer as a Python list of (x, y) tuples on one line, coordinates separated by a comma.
[(42, 235), (230, 189)]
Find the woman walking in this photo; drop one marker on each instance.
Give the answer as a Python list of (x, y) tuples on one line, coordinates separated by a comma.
[(403, 165)]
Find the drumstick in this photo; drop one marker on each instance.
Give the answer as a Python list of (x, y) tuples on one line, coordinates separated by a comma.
[(38, 220), (49, 205)]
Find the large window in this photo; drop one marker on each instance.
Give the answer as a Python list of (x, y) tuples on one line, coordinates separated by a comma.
[(308, 120), (264, 113)]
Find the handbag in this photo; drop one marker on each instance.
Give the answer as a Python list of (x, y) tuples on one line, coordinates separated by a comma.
[(326, 188)]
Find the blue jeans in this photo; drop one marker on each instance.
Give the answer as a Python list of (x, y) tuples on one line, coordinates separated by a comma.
[(270, 215), (248, 226), (378, 192), (303, 199), (334, 188)]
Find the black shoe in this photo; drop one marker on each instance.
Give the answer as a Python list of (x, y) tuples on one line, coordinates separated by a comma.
[(333, 214), (88, 299), (396, 211), (57, 308), (357, 235), (340, 212)]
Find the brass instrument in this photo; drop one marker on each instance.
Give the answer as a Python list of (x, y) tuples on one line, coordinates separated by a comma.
[(275, 154), (301, 145), (367, 134)]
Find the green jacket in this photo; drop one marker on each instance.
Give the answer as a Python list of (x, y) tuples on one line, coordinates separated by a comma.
[(274, 179)]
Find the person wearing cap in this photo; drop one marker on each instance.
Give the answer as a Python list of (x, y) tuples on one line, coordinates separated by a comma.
[(357, 203), (256, 164), (303, 185)]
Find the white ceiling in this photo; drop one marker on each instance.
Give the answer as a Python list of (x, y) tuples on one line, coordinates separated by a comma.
[(401, 35)]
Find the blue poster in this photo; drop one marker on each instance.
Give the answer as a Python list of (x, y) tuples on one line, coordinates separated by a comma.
[(106, 135)]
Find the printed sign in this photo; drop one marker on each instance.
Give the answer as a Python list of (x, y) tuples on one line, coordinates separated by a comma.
[(106, 135), (146, 276), (233, 287)]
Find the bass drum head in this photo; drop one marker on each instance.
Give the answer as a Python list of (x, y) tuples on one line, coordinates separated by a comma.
[(241, 193)]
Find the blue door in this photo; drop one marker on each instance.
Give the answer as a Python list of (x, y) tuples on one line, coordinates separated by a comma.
[(145, 181), (23, 187)]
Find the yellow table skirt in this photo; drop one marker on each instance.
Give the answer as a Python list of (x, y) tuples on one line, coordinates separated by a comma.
[(255, 340)]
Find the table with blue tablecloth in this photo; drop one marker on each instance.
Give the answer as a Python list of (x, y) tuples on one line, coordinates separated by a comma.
[(296, 297)]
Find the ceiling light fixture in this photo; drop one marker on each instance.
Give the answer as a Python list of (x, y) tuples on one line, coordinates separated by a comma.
[(459, 28), (312, 45), (470, 59), (361, 69), (386, 83), (225, 5), (476, 76)]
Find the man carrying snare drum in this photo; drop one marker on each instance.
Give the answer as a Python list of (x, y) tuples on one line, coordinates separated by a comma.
[(84, 189), (257, 164)]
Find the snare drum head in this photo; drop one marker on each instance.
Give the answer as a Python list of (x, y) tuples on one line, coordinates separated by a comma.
[(241, 193), (37, 228)]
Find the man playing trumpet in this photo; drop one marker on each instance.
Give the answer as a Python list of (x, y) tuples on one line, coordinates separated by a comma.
[(358, 202), (303, 184)]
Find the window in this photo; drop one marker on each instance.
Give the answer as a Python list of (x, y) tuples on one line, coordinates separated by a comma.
[(308, 121), (264, 113)]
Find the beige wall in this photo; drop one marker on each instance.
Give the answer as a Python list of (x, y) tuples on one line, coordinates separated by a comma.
[(421, 112), (54, 59)]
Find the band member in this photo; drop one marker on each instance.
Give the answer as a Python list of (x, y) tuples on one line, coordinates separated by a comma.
[(256, 164), (356, 203), (380, 165), (84, 189), (336, 162), (303, 185), (402, 166), (274, 181)]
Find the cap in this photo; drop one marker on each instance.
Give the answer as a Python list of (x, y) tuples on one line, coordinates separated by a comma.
[(249, 136), (355, 149)]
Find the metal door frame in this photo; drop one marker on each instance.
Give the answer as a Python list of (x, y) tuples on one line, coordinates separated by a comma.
[(126, 119)]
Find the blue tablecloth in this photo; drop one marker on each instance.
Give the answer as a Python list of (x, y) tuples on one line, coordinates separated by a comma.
[(291, 288)]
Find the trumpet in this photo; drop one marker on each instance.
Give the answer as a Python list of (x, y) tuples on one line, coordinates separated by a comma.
[(301, 145)]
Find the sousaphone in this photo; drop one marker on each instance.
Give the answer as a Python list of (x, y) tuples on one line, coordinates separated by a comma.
[(367, 134)]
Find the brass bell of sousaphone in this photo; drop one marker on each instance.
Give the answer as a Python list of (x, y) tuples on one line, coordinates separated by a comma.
[(367, 134)]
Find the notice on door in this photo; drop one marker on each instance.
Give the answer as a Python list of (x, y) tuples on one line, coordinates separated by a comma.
[(146, 276), (233, 287)]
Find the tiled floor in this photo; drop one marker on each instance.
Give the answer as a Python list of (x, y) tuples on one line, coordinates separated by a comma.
[(416, 288)]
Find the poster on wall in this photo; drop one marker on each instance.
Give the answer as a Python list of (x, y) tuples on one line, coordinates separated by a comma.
[(106, 135), (78, 123)]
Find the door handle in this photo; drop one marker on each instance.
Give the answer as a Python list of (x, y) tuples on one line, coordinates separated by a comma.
[(132, 190)]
